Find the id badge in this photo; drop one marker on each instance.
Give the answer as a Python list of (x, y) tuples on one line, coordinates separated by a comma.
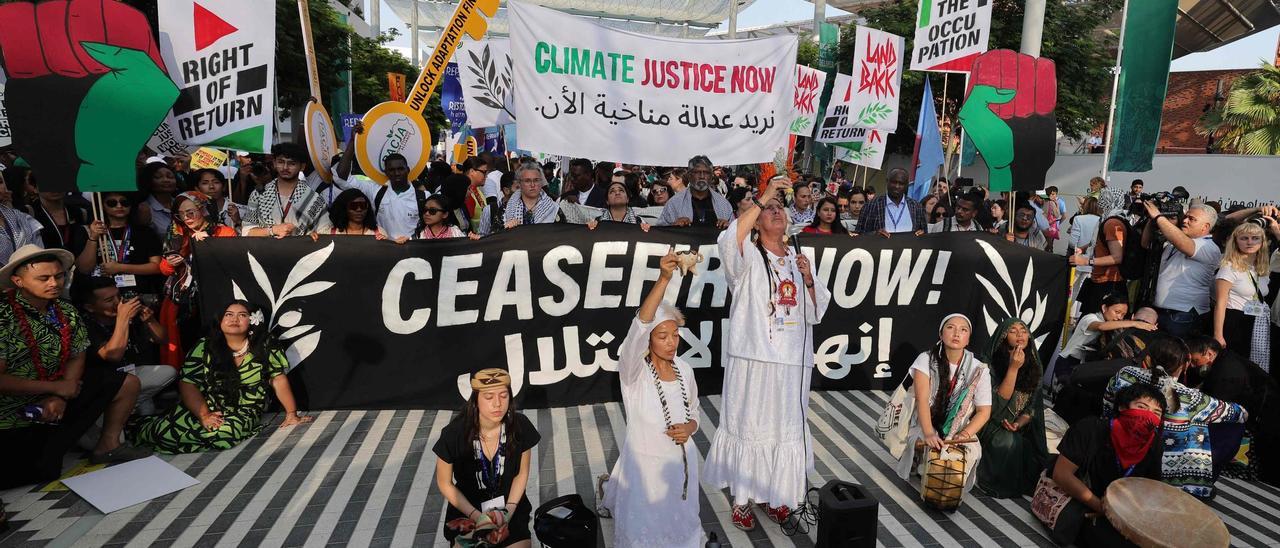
[(131, 369), (497, 503), (126, 280), (1255, 308)]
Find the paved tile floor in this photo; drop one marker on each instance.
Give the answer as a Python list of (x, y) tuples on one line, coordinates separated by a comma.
[(366, 478)]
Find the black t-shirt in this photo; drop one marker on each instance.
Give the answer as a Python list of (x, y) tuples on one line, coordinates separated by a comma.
[(704, 211), (138, 248), (453, 447), (139, 351), (72, 236), (1088, 444)]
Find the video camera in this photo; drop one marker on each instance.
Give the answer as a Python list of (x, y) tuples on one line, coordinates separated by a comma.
[(1170, 203)]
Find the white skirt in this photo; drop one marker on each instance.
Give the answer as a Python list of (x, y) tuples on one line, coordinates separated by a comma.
[(643, 494), (762, 447)]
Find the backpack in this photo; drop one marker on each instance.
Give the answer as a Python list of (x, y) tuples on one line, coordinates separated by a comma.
[(382, 192), (1133, 264)]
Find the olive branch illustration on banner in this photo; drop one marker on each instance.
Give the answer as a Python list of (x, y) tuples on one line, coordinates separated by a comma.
[(494, 86), (800, 124), (1024, 303), (301, 343), (871, 115)]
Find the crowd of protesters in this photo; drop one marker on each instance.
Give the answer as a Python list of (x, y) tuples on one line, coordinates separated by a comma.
[(1173, 298)]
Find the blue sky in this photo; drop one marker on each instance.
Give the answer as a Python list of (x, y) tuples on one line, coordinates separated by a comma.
[(760, 13)]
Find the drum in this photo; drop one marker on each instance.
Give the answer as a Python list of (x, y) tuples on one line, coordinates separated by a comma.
[(1152, 514), (942, 485)]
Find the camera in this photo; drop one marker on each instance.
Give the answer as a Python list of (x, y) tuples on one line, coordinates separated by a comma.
[(1168, 202)]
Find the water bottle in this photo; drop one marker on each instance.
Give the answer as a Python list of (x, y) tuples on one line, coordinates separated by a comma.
[(712, 541), (32, 412)]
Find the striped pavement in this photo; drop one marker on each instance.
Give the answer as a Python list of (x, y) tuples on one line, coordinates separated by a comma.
[(367, 478)]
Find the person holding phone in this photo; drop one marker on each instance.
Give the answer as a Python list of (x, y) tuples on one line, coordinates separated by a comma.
[(194, 220)]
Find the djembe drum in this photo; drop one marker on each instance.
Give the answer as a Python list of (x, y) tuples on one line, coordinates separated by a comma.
[(942, 485), (1152, 514)]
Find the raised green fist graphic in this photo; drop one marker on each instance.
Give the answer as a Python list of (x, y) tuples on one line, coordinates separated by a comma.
[(86, 89), (1009, 114)]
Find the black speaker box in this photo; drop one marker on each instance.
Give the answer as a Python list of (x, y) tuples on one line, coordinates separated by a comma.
[(847, 516)]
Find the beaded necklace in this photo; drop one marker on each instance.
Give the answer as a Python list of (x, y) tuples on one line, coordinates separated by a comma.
[(64, 335), (666, 414)]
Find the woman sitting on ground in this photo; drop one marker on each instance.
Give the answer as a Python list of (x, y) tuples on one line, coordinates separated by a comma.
[(482, 464), (349, 216), (618, 199), (223, 386), (660, 396), (826, 218), (1084, 341), (952, 398), (1188, 462), (1095, 452), (1013, 441)]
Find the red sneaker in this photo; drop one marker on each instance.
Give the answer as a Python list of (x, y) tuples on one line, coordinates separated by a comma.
[(743, 518), (779, 514)]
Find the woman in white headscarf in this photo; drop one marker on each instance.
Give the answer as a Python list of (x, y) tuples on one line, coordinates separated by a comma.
[(653, 490), (952, 398)]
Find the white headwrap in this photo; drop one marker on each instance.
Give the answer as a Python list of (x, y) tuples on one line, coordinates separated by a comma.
[(955, 315), (668, 312)]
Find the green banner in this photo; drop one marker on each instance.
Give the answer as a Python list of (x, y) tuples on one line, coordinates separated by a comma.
[(1144, 78), (828, 45)]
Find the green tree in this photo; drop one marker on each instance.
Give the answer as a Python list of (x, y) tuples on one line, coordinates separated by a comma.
[(1249, 121), (807, 52), (1082, 60), (371, 60), (332, 39)]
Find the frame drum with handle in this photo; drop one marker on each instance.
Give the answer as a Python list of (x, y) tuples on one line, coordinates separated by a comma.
[(1153, 514)]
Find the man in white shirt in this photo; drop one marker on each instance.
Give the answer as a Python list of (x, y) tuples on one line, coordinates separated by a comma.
[(1188, 262), (396, 204)]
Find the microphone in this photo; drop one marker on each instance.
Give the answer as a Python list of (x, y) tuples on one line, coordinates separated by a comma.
[(795, 242)]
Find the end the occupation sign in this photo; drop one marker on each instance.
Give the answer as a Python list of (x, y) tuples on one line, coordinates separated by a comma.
[(372, 324), (950, 34)]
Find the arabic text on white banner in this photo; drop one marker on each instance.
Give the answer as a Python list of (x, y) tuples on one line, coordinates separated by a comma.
[(596, 92)]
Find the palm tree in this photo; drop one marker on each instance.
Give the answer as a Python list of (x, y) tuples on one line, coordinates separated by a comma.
[(1249, 121)]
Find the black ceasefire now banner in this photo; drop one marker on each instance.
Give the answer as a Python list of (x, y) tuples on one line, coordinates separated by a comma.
[(376, 325)]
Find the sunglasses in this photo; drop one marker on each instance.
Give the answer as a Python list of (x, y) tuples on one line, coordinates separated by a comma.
[(358, 206), (432, 210), (116, 202)]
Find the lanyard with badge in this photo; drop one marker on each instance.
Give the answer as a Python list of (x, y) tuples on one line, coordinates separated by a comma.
[(489, 472), (1256, 307), (122, 257)]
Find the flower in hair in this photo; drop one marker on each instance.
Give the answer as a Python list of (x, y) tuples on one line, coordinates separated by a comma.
[(256, 318)]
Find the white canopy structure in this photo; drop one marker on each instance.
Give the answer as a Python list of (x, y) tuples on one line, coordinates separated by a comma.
[(675, 18)]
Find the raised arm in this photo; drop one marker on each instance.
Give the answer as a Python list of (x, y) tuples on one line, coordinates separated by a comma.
[(344, 164), (649, 307), (747, 220)]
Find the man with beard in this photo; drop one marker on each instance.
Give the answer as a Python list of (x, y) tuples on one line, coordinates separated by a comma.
[(966, 208), (698, 204), (1025, 231), (895, 212)]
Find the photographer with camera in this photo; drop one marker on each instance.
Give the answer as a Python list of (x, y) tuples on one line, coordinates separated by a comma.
[(1188, 261)]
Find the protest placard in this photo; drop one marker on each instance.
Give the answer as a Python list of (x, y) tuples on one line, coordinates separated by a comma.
[(317, 128), (6, 138), (222, 57), (401, 128), (451, 100), (348, 122), (165, 141), (867, 149), (484, 71), (804, 104), (950, 34), (207, 158), (877, 74), (592, 91), (395, 86), (837, 126)]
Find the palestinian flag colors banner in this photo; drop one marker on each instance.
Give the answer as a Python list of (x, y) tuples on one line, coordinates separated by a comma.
[(221, 56)]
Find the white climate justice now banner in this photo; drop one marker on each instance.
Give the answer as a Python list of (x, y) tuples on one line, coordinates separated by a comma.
[(587, 90)]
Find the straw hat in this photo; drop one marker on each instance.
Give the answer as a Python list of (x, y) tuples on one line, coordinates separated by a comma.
[(28, 252)]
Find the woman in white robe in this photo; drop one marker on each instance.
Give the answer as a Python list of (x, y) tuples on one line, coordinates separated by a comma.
[(762, 448), (653, 489)]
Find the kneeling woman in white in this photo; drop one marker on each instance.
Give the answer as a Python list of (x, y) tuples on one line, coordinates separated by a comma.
[(653, 489), (953, 398)]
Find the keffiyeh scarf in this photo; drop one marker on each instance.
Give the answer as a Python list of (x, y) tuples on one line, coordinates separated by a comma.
[(543, 212)]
